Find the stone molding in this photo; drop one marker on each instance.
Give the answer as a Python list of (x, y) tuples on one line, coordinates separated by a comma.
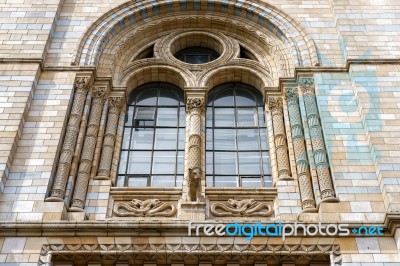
[(241, 208), (144, 208)]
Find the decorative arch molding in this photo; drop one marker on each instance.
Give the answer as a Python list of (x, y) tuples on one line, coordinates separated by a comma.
[(96, 43)]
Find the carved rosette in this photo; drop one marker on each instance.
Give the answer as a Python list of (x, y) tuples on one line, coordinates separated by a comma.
[(78, 200), (302, 165), (194, 107), (321, 160), (145, 208), (275, 105), (115, 103), (241, 208), (82, 85)]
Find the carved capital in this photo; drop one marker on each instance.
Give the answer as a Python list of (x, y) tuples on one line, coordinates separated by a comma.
[(82, 83), (307, 85), (99, 92), (290, 92), (194, 103), (275, 103), (115, 101)]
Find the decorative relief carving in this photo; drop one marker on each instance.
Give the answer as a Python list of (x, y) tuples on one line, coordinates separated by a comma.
[(145, 208), (321, 160), (275, 104), (194, 103), (302, 165), (241, 208), (64, 164)]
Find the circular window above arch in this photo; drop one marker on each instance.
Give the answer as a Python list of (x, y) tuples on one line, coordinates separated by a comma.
[(197, 55)]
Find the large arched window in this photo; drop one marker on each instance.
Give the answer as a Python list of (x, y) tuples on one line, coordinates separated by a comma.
[(153, 140), (236, 143)]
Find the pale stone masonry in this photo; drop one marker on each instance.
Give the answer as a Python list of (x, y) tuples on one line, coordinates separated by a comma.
[(329, 75)]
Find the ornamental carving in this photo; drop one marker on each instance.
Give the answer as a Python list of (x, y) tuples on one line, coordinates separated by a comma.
[(82, 83), (145, 208), (306, 82), (194, 103), (275, 102), (100, 92), (115, 101), (241, 208)]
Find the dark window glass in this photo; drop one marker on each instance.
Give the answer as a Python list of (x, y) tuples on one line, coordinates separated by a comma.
[(197, 55), (153, 140), (236, 139)]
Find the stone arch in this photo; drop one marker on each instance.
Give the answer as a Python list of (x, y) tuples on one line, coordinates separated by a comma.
[(95, 45)]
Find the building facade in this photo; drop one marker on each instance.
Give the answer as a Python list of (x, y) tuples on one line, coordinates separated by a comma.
[(162, 132)]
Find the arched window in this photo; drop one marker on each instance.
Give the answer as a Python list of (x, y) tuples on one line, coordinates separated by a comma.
[(153, 140), (237, 153)]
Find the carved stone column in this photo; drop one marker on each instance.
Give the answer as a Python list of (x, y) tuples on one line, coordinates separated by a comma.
[(282, 156), (321, 159), (194, 107), (115, 103), (300, 153), (89, 145), (82, 84)]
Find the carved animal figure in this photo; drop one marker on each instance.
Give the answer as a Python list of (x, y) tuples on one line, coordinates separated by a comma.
[(244, 208), (194, 184)]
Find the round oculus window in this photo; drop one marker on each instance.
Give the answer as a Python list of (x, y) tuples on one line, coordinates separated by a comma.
[(197, 55)]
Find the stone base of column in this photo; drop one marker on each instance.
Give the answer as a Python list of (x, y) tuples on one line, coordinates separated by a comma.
[(77, 215), (285, 178), (101, 177), (193, 211), (309, 210), (330, 199), (53, 199), (75, 209)]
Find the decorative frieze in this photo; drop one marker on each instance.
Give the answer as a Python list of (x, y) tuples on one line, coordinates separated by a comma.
[(241, 208), (78, 200), (320, 157), (115, 102), (275, 105), (144, 208), (82, 85), (300, 153)]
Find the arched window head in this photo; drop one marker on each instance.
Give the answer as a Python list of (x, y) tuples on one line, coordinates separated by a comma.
[(237, 153), (153, 140)]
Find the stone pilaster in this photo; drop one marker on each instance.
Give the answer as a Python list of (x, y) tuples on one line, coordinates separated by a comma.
[(82, 84), (275, 105), (302, 164), (115, 102), (320, 157), (78, 200)]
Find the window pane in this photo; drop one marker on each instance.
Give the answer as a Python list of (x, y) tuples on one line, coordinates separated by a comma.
[(123, 161), (225, 163), (248, 139), (168, 97), (224, 98), (126, 138), (209, 139), (142, 139), (267, 181), (164, 162), (209, 163), (120, 181), (261, 117), (182, 117), (137, 181), (167, 117), (163, 181), (179, 180), (244, 98), (249, 163), (266, 163), (139, 162), (165, 138), (209, 117), (226, 181), (181, 141), (264, 139), (251, 182), (209, 181), (247, 117), (129, 116), (180, 160), (225, 139), (224, 117), (148, 97)]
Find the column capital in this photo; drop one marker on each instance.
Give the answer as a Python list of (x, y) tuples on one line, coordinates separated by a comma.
[(100, 90), (196, 92), (307, 85), (83, 81), (194, 103), (275, 102), (116, 99), (291, 92)]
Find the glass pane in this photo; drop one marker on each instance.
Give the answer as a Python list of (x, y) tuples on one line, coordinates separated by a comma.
[(209, 163), (226, 181), (120, 181), (123, 160), (139, 162), (249, 163), (224, 139), (142, 139), (251, 182), (209, 117), (129, 116), (180, 160), (247, 117), (244, 98), (179, 180), (182, 117), (148, 97), (196, 58), (224, 98), (126, 138), (209, 181), (261, 117), (167, 117), (137, 181), (266, 163), (224, 117), (209, 139), (163, 181), (248, 139), (164, 162), (264, 139), (267, 181), (168, 97), (181, 141), (165, 139), (225, 163)]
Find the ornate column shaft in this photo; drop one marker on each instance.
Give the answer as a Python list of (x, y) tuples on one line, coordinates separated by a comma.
[(89, 145), (321, 159), (300, 153), (82, 84), (282, 156), (115, 103)]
